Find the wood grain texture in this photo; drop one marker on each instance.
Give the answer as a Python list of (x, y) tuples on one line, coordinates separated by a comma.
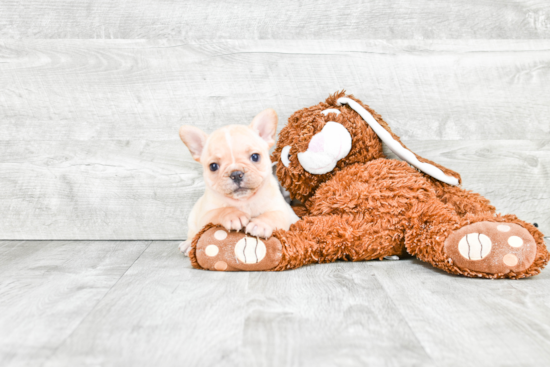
[(128, 90), (275, 19), (471, 322), (97, 189), (162, 312), (339, 315), (88, 128), (48, 288)]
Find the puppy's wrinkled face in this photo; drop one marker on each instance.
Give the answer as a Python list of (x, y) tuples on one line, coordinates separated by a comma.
[(235, 159)]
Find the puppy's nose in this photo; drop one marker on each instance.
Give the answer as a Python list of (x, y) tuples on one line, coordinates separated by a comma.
[(237, 176)]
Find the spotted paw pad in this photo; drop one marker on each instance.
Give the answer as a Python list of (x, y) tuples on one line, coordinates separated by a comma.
[(491, 247), (222, 250)]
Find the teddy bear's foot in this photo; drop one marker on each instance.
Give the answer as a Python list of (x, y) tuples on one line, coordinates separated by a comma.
[(222, 250), (491, 248)]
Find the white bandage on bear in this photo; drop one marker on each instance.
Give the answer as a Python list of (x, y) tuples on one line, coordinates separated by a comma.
[(326, 148)]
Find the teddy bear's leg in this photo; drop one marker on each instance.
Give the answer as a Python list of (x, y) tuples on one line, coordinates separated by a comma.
[(325, 239), (483, 245), (462, 201), (311, 240)]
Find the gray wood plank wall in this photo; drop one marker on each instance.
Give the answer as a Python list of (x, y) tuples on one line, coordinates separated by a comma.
[(88, 127), (282, 19)]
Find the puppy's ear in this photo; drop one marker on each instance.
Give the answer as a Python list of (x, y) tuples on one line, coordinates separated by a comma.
[(195, 139), (265, 124)]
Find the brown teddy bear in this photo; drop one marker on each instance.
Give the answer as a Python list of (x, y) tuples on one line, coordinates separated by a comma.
[(359, 205)]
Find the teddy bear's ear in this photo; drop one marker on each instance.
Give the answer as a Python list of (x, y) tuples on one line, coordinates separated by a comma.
[(395, 145)]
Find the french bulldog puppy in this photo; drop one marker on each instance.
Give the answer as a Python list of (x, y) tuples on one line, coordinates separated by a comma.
[(241, 190)]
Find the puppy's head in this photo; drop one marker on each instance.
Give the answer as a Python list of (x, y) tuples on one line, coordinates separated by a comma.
[(235, 159)]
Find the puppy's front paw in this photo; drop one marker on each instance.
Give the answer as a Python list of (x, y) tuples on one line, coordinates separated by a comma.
[(235, 220), (185, 247), (259, 228)]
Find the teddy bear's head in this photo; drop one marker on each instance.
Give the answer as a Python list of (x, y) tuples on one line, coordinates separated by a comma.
[(319, 141)]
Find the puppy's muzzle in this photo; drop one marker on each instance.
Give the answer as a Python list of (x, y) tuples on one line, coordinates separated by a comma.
[(237, 177)]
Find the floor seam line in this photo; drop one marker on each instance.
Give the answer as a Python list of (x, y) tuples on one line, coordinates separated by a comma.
[(95, 306), (402, 316)]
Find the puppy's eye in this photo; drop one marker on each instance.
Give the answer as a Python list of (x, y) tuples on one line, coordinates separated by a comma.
[(285, 155), (255, 157), (214, 167)]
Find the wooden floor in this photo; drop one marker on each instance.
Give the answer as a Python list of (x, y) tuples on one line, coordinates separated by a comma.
[(132, 303)]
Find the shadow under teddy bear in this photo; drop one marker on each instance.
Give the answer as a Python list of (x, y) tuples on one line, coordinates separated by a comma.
[(360, 205)]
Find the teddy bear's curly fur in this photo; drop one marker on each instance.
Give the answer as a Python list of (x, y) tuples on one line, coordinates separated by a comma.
[(370, 207)]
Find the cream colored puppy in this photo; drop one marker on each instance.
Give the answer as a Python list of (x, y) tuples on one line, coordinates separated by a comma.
[(241, 190)]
